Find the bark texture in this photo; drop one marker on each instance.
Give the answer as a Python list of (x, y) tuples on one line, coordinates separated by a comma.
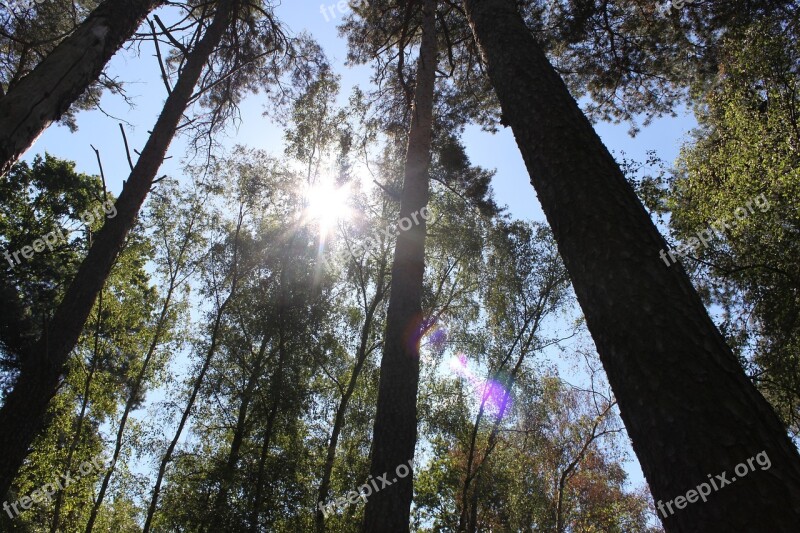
[(47, 92), (395, 433), (687, 405), (23, 414)]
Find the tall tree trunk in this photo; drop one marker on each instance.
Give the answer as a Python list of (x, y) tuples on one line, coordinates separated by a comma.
[(341, 410), (258, 499), (22, 415), (49, 89), (175, 271), (276, 390), (198, 382), (688, 407), (395, 433), (474, 474)]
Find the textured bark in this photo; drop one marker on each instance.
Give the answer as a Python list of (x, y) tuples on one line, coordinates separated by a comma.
[(22, 415), (395, 433), (47, 92), (687, 405)]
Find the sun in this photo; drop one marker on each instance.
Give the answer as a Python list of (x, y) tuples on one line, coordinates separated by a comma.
[(327, 204)]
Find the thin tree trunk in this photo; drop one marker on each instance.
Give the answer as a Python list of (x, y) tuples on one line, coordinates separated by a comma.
[(22, 416), (536, 317), (341, 410), (276, 392), (258, 500), (229, 469), (198, 382), (160, 324), (53, 85), (130, 402), (84, 406), (72, 447), (687, 405), (395, 432)]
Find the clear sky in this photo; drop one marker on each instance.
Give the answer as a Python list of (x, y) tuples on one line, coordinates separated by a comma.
[(138, 68)]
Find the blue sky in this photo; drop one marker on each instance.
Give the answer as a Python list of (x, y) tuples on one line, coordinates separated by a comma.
[(137, 67)]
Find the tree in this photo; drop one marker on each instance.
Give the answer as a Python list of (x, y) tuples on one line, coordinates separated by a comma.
[(177, 260), (747, 266), (395, 434), (681, 392), (24, 408), (43, 95), (107, 352)]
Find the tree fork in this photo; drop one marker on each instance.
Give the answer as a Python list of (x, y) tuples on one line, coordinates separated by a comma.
[(687, 404)]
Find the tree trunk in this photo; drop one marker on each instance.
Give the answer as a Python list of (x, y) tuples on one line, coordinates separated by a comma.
[(341, 410), (198, 382), (219, 514), (87, 388), (22, 415), (395, 433), (49, 89), (137, 385), (276, 393), (258, 499), (466, 522), (688, 407), (140, 377)]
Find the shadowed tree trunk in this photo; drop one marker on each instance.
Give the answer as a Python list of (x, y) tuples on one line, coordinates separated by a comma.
[(395, 433), (22, 415), (687, 405), (49, 89)]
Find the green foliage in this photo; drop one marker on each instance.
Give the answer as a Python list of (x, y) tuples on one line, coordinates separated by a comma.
[(44, 198), (41, 198), (746, 154)]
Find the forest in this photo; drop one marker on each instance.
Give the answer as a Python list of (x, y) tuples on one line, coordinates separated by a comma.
[(280, 289)]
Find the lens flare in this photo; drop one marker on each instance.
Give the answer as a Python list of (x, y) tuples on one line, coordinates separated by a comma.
[(490, 393)]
